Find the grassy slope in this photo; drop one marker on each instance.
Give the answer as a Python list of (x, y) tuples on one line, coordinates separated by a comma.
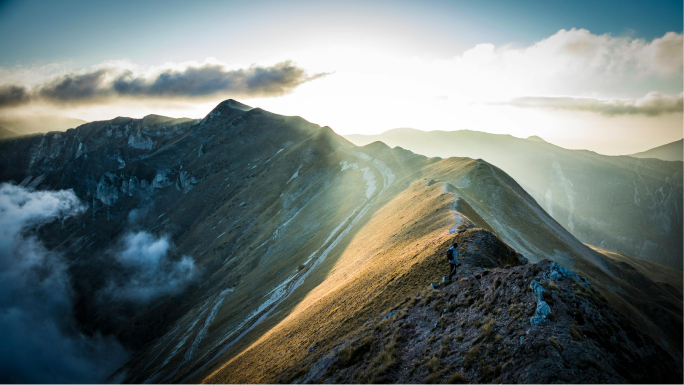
[(375, 270), (259, 250)]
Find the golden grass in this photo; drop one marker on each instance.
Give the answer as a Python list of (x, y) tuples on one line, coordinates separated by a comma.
[(457, 378), (488, 328), (470, 356), (398, 241)]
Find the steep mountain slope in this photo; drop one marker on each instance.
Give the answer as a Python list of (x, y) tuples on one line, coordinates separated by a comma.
[(618, 203), (672, 151), (383, 265), (297, 239)]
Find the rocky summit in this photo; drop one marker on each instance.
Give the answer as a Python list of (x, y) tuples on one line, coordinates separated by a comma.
[(253, 247)]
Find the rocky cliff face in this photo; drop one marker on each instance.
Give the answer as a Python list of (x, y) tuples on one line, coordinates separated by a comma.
[(88, 158)]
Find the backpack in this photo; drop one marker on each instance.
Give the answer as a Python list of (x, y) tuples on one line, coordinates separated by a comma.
[(450, 253)]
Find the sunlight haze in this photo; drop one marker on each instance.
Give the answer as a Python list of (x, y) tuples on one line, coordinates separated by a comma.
[(612, 84)]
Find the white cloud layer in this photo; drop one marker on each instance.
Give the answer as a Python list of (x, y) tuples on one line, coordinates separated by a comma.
[(39, 340), (570, 62), (149, 272)]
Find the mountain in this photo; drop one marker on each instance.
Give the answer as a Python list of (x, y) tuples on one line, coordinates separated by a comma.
[(254, 247), (614, 202), (672, 151), (37, 123), (535, 138), (6, 133)]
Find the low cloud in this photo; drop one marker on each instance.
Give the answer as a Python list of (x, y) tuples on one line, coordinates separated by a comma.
[(150, 272), (653, 104), (112, 83), (39, 339), (11, 96)]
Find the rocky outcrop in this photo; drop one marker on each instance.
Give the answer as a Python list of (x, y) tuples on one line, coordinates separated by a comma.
[(162, 179), (107, 189), (543, 310), (481, 248), (477, 330), (185, 182), (140, 142)]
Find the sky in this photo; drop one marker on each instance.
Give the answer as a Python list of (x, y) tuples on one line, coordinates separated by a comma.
[(604, 76)]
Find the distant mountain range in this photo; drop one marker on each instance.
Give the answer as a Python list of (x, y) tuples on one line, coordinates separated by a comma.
[(672, 151), (620, 203), (7, 133), (19, 125), (250, 247)]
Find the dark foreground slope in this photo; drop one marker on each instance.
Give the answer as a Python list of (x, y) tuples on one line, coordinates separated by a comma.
[(618, 203), (297, 238)]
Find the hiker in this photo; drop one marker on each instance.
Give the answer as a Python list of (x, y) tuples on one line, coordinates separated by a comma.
[(452, 257)]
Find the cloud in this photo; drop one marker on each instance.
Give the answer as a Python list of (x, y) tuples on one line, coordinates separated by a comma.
[(663, 55), (39, 339), (11, 96), (112, 82), (149, 272), (569, 62), (653, 104), (579, 51), (77, 87)]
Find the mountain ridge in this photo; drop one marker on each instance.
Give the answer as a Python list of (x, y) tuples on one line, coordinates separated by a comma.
[(581, 189), (288, 225), (673, 151)]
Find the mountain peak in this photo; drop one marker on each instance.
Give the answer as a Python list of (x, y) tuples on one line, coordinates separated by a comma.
[(535, 138), (234, 104)]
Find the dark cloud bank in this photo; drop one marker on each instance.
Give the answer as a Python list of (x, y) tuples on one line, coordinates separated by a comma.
[(39, 338), (110, 84)]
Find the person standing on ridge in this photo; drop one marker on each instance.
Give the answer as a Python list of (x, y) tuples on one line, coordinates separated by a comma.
[(452, 257)]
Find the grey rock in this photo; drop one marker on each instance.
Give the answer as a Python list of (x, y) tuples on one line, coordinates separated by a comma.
[(543, 309), (186, 182), (537, 291), (140, 142), (558, 272), (161, 180), (107, 191)]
